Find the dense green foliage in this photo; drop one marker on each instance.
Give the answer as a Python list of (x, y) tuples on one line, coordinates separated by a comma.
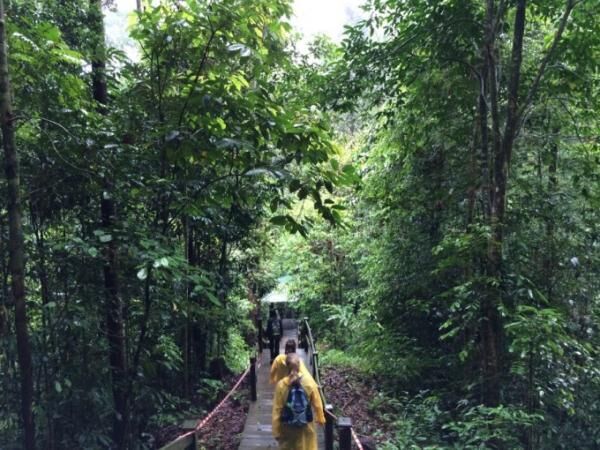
[(412, 274), (196, 148), (431, 186)]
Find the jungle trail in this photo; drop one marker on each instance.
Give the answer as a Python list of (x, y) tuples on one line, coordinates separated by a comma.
[(421, 194)]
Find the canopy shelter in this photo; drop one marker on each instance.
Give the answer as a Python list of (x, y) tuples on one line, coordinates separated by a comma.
[(280, 294), (276, 297)]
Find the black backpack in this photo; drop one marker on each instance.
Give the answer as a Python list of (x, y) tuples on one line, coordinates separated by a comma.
[(297, 411), (275, 327)]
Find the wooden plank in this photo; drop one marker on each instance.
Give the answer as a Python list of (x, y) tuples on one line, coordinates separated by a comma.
[(257, 431), (187, 443), (189, 424)]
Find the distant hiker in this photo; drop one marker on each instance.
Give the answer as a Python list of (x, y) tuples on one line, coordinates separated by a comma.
[(274, 333), (297, 406), (279, 370)]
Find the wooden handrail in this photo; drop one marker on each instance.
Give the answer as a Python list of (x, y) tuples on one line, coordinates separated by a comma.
[(314, 358), (344, 424), (308, 331), (187, 442)]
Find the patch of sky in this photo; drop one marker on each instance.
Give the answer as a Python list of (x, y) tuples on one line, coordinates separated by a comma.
[(311, 18)]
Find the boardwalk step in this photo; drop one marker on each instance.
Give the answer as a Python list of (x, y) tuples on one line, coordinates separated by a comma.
[(257, 431)]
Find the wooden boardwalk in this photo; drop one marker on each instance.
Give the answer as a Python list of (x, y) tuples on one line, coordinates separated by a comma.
[(257, 432)]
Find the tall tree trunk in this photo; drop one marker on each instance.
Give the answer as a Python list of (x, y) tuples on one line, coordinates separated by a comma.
[(115, 329), (492, 325), (16, 241)]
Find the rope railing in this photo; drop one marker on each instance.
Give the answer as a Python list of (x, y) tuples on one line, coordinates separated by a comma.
[(352, 432), (346, 432), (356, 440), (188, 439)]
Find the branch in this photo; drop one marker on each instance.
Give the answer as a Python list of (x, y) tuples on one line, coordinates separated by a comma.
[(468, 65), (203, 59), (89, 173), (574, 121), (490, 60), (499, 14), (542, 68), (512, 110), (62, 127)]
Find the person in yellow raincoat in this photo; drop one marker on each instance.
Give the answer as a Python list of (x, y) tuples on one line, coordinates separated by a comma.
[(279, 370), (289, 437)]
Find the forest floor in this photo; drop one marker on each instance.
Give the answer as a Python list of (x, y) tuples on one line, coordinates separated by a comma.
[(355, 395), (223, 431)]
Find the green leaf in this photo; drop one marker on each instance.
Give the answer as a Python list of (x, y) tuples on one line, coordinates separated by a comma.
[(142, 273), (213, 299), (105, 238), (162, 262), (263, 171), (241, 48), (294, 185), (221, 123), (279, 220)]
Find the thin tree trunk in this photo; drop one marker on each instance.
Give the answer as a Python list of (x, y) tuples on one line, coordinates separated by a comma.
[(189, 257), (550, 257), (115, 329), (474, 180), (16, 241), (4, 316), (47, 330), (484, 132)]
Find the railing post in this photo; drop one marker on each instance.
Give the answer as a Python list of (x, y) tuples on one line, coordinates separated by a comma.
[(196, 442), (345, 432), (329, 423), (253, 378), (260, 336), (305, 332), (315, 364)]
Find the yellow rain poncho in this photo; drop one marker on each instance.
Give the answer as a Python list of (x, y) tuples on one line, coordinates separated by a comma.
[(279, 370), (293, 438)]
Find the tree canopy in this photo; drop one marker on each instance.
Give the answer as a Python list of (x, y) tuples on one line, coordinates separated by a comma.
[(430, 185)]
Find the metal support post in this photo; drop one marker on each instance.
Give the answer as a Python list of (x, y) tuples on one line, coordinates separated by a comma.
[(329, 424), (305, 334), (260, 336), (344, 425), (253, 378)]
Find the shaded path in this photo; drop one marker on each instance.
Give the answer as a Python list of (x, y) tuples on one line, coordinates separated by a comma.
[(257, 432)]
